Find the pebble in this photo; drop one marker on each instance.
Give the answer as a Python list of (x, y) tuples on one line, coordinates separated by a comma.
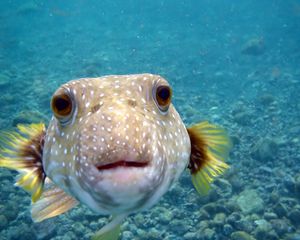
[(241, 235), (243, 118), (270, 215), (222, 189), (250, 202), (254, 47), (281, 226), (190, 236), (293, 236), (28, 117), (297, 185), (127, 235), (227, 229), (3, 222), (294, 216), (219, 219), (280, 209), (265, 150), (209, 234), (213, 216), (4, 81)]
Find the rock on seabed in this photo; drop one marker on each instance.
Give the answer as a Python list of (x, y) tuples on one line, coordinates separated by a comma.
[(241, 235), (250, 202)]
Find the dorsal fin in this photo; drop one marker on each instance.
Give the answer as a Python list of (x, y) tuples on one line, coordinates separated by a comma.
[(22, 151), (210, 147)]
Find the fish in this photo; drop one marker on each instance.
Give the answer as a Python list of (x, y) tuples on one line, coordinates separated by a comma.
[(115, 144)]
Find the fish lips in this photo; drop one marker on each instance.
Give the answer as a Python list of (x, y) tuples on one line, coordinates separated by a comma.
[(121, 163)]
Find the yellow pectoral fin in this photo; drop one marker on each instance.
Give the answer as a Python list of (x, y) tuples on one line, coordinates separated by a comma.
[(210, 147), (52, 203), (22, 151), (112, 230)]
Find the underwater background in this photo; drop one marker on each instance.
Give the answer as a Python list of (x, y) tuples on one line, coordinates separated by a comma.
[(234, 63)]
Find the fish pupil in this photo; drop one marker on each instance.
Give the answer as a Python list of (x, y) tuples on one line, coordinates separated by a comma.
[(62, 104), (163, 98), (164, 93)]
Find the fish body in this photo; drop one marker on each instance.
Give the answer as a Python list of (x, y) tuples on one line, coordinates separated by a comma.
[(116, 120), (114, 143)]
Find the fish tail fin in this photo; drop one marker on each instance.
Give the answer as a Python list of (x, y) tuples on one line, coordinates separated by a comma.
[(22, 151), (112, 230), (210, 146)]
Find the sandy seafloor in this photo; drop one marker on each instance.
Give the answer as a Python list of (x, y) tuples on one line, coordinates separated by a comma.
[(199, 46)]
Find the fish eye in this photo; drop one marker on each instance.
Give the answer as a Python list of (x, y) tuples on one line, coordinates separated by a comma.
[(62, 107), (163, 96)]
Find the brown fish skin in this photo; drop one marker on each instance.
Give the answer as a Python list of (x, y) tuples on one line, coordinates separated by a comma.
[(118, 152)]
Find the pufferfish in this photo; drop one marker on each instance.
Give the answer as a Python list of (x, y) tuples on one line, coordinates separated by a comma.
[(116, 144)]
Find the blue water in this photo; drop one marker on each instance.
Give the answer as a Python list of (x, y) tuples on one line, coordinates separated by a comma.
[(234, 63)]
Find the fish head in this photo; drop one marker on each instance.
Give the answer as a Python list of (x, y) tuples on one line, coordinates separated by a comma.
[(115, 143)]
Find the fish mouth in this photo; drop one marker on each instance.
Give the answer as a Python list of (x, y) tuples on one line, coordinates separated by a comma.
[(122, 163)]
